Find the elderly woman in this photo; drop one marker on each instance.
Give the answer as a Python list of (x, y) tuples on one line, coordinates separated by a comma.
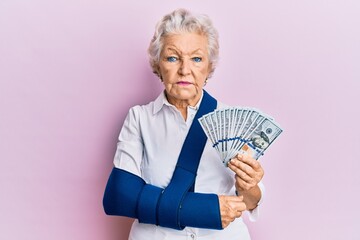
[(167, 175)]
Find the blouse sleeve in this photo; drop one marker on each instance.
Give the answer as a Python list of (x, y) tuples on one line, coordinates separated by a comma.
[(254, 214), (130, 147)]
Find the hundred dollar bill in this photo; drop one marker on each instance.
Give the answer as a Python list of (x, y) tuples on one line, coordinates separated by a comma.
[(258, 140)]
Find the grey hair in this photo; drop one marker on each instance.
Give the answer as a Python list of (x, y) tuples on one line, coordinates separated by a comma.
[(180, 21)]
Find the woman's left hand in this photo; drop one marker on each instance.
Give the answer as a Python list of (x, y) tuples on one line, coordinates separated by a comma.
[(248, 172)]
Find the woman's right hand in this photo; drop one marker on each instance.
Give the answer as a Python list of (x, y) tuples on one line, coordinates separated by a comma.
[(231, 207)]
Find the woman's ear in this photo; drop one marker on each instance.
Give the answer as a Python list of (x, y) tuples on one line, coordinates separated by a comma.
[(209, 70), (157, 72)]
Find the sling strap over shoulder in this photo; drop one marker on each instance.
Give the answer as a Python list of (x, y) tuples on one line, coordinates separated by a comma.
[(184, 175)]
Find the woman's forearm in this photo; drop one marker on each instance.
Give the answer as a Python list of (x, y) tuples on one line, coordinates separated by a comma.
[(251, 197)]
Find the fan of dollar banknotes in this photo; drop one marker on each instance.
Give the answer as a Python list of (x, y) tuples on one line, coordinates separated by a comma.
[(239, 130)]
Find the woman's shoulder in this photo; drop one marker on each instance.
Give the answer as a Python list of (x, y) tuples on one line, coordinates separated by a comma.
[(221, 105), (143, 109), (148, 109)]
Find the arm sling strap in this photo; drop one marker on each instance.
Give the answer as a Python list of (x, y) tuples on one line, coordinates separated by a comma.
[(176, 206)]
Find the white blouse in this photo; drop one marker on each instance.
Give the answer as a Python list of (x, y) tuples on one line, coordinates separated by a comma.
[(149, 145)]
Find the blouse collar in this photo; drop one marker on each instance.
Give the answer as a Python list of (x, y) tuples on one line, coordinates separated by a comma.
[(161, 100)]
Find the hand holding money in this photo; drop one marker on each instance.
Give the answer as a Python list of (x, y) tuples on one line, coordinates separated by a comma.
[(248, 173)]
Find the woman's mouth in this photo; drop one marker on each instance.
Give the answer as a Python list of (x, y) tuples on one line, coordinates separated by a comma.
[(184, 83)]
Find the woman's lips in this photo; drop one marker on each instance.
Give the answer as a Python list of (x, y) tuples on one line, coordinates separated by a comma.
[(183, 83)]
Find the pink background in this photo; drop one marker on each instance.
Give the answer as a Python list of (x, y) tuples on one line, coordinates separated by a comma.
[(70, 70)]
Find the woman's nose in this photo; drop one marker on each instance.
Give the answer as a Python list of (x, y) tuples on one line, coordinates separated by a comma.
[(185, 67)]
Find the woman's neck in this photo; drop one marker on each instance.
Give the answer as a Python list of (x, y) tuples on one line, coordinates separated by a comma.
[(182, 105)]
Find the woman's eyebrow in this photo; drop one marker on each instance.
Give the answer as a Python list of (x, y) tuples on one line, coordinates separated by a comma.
[(169, 49), (197, 50)]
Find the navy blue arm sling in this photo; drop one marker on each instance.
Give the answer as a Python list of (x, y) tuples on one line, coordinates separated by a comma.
[(176, 206)]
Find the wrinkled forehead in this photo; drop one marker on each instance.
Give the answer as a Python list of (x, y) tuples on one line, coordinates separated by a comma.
[(185, 43)]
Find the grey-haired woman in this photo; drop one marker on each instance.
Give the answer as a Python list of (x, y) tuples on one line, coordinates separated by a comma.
[(166, 175)]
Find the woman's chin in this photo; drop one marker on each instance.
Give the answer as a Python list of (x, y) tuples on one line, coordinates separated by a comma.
[(192, 96)]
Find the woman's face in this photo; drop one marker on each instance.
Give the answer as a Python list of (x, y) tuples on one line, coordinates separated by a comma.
[(184, 66)]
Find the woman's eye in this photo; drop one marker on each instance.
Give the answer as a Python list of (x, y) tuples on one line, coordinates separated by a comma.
[(197, 59), (171, 59)]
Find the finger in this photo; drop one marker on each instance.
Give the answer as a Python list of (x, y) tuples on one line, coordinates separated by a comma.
[(249, 161), (238, 214), (240, 173), (236, 202), (242, 168), (242, 185), (230, 197), (238, 208), (225, 224), (233, 198), (250, 166), (251, 182)]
